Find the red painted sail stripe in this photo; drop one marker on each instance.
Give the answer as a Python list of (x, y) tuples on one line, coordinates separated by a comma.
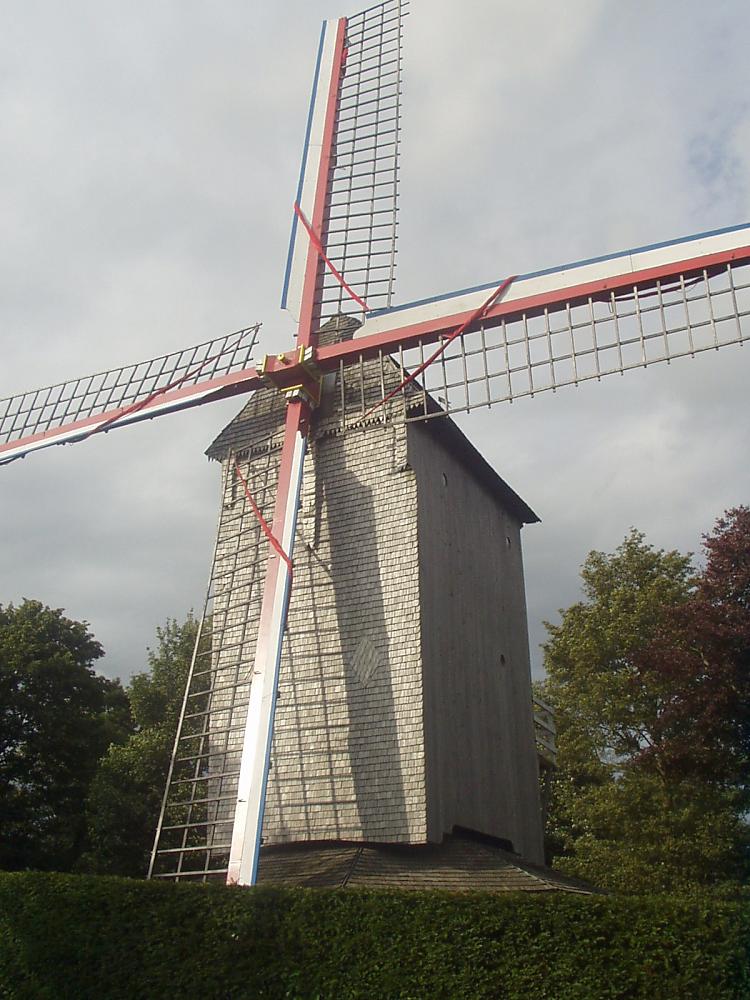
[(314, 239), (477, 315), (308, 320), (275, 544)]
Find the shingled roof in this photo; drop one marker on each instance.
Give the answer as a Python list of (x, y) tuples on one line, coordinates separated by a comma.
[(462, 863), (262, 420)]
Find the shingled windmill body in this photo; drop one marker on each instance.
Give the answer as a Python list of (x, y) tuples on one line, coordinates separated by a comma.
[(404, 701), (387, 635)]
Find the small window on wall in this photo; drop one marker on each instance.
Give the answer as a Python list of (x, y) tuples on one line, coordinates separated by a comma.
[(445, 479), (507, 541), (502, 659)]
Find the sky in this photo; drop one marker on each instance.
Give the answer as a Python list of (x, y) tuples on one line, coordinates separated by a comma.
[(150, 154)]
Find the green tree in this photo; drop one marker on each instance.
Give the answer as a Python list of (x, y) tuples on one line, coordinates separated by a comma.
[(125, 796), (57, 718), (648, 675)]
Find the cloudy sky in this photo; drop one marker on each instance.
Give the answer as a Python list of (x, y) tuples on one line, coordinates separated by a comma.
[(149, 161)]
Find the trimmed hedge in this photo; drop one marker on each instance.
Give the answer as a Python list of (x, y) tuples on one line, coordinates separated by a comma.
[(66, 936)]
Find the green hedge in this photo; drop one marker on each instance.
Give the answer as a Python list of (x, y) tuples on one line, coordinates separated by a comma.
[(64, 936)]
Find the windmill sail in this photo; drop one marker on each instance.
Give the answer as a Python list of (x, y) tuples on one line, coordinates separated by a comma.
[(561, 326), (197, 819), (73, 410), (358, 224)]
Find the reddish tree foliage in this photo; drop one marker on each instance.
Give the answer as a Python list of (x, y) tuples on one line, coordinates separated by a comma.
[(699, 662)]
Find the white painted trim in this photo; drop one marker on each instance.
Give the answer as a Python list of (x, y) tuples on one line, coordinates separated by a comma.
[(292, 300), (256, 747), (539, 283)]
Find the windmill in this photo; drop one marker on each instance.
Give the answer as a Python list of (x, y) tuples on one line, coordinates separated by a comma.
[(503, 341)]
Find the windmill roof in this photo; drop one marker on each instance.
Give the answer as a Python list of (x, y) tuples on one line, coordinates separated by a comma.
[(262, 419), (463, 862), (454, 439)]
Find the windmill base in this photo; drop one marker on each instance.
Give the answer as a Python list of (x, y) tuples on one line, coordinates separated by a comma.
[(463, 862)]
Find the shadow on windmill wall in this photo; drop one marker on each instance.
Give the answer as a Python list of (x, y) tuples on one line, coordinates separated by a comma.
[(355, 553)]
